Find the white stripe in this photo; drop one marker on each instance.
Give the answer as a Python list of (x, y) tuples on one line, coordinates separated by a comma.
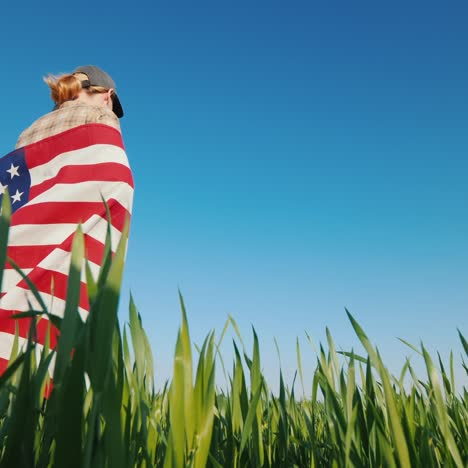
[(94, 271), (6, 345), (59, 261), (40, 234), (91, 191), (23, 300), (95, 154), (11, 278), (52, 234)]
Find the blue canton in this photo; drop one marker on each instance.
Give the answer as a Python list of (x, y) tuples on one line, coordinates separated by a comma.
[(14, 176)]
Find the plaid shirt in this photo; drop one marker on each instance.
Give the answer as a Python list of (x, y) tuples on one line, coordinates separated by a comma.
[(69, 115)]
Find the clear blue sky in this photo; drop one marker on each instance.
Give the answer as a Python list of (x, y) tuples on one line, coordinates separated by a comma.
[(291, 159)]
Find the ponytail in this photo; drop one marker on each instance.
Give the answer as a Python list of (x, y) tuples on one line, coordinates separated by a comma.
[(63, 88)]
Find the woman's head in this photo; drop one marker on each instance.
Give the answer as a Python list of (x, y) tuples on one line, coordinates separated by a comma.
[(89, 84)]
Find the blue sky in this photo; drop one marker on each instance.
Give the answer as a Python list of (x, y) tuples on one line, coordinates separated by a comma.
[(291, 159)]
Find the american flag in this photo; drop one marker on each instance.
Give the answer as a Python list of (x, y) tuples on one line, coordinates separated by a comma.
[(53, 185)]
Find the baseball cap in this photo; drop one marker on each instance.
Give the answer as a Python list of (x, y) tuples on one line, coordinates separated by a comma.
[(98, 77)]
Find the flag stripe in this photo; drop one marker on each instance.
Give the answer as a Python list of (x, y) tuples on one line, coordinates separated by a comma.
[(28, 256), (77, 138), (20, 299), (109, 172), (4, 360), (69, 212), (7, 326), (11, 278), (96, 154), (93, 191), (47, 234), (54, 283), (6, 343)]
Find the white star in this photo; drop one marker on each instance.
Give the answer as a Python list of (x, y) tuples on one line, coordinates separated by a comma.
[(13, 170), (3, 188), (17, 196)]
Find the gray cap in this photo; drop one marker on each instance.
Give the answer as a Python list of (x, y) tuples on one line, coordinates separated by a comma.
[(98, 77)]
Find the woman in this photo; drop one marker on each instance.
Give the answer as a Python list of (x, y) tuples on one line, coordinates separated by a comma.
[(66, 163), (85, 96)]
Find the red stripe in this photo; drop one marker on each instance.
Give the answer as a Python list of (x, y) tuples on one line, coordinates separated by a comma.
[(7, 325), (69, 212), (55, 284), (28, 256), (94, 250), (80, 137), (49, 282), (105, 172)]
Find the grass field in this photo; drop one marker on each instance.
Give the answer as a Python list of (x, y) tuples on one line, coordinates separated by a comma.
[(103, 410)]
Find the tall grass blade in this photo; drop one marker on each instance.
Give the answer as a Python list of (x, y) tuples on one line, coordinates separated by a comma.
[(5, 217)]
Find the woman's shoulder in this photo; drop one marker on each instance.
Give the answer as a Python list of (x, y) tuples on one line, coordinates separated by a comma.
[(99, 114), (78, 113), (69, 115)]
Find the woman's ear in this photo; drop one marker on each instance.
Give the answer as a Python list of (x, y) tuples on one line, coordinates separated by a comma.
[(108, 98)]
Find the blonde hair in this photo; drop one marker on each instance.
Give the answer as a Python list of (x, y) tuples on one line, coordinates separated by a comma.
[(67, 87)]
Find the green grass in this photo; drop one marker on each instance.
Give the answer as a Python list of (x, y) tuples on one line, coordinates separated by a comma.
[(356, 414)]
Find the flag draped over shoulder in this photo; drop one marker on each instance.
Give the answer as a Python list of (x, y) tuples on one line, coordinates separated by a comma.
[(55, 184)]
